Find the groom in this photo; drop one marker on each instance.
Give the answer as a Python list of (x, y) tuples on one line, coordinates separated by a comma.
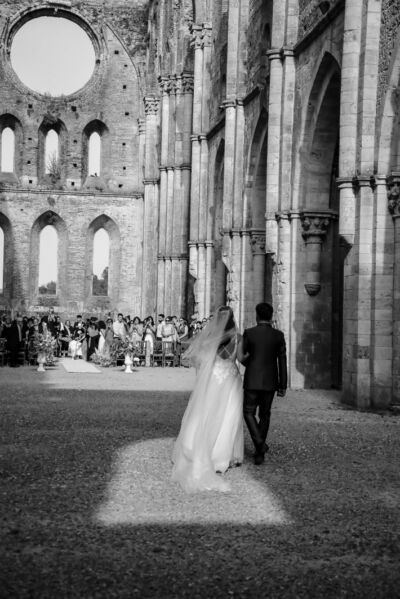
[(264, 356)]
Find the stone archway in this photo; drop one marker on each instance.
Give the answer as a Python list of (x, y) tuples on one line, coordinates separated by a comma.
[(219, 291), (319, 318)]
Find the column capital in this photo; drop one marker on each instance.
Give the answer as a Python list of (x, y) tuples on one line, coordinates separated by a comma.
[(393, 194), (187, 80), (257, 240), (231, 103), (151, 104), (201, 35), (166, 83), (280, 53), (315, 224), (150, 181)]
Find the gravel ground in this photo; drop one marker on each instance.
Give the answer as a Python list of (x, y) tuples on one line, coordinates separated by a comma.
[(89, 511)]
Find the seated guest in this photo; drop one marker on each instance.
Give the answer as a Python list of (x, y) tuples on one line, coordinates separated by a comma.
[(78, 320), (92, 337), (66, 335), (102, 335), (161, 322), (136, 330), (149, 333), (168, 330), (14, 341), (119, 327), (78, 336), (50, 320), (182, 330)]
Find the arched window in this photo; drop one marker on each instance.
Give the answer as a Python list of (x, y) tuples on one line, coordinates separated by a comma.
[(94, 157), (1, 260), (101, 262), (7, 150), (51, 153), (48, 260)]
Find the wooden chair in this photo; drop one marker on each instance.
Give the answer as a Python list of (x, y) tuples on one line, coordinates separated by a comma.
[(31, 352), (23, 354), (169, 353), (141, 352), (157, 355)]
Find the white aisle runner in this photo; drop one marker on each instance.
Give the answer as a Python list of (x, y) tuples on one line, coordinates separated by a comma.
[(71, 365)]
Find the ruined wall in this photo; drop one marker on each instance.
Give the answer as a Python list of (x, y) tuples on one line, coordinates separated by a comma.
[(390, 24), (110, 103)]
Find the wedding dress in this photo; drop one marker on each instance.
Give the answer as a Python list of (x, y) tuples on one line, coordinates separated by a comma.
[(211, 435)]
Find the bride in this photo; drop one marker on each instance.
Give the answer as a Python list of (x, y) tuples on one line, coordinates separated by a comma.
[(211, 435)]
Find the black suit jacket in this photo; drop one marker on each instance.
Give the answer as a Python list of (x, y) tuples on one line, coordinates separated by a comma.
[(266, 368)]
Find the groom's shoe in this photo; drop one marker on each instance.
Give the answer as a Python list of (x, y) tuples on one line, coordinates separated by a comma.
[(259, 459), (259, 456)]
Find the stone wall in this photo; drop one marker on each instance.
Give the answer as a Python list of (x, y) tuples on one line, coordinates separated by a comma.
[(110, 103), (388, 40)]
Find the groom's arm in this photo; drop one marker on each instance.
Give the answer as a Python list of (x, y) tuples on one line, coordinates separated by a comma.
[(282, 367)]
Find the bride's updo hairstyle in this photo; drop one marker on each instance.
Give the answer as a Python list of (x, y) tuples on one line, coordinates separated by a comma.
[(217, 333), (226, 313)]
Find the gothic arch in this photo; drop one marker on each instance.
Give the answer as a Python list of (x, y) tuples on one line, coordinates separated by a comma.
[(8, 257), (49, 218), (220, 270), (9, 120), (59, 127), (256, 175), (104, 221), (388, 150), (97, 126), (321, 134)]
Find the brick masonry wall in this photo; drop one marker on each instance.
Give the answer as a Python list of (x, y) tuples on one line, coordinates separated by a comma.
[(114, 96), (390, 24), (76, 214)]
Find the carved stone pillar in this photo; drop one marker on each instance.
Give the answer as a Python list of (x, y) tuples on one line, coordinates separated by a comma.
[(315, 226), (257, 240), (393, 183), (150, 216)]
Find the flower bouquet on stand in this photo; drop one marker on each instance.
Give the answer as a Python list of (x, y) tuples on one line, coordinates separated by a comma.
[(45, 346), (126, 350)]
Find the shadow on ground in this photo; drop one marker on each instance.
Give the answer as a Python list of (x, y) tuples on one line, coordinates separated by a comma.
[(88, 509)]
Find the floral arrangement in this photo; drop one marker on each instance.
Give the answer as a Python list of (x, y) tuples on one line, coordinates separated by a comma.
[(102, 358), (45, 343), (119, 348)]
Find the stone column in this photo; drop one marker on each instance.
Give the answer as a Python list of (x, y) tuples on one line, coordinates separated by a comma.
[(207, 292), (315, 226), (282, 300), (288, 98), (394, 209), (150, 218), (274, 149), (142, 143), (257, 240)]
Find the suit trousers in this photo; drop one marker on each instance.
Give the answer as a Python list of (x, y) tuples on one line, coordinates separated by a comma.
[(262, 400)]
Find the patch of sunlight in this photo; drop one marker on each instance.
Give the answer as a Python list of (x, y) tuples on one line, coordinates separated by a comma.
[(141, 492)]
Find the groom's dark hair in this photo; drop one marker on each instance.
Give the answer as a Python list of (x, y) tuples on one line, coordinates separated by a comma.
[(264, 311)]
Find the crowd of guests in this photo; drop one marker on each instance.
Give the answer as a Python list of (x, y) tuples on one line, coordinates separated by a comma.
[(84, 337)]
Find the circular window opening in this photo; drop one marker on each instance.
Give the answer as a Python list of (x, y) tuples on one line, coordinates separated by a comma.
[(52, 55)]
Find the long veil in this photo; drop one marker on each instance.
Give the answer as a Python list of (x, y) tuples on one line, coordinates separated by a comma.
[(193, 467)]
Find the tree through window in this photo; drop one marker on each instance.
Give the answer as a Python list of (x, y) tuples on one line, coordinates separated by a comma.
[(51, 153), (101, 262), (48, 261)]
